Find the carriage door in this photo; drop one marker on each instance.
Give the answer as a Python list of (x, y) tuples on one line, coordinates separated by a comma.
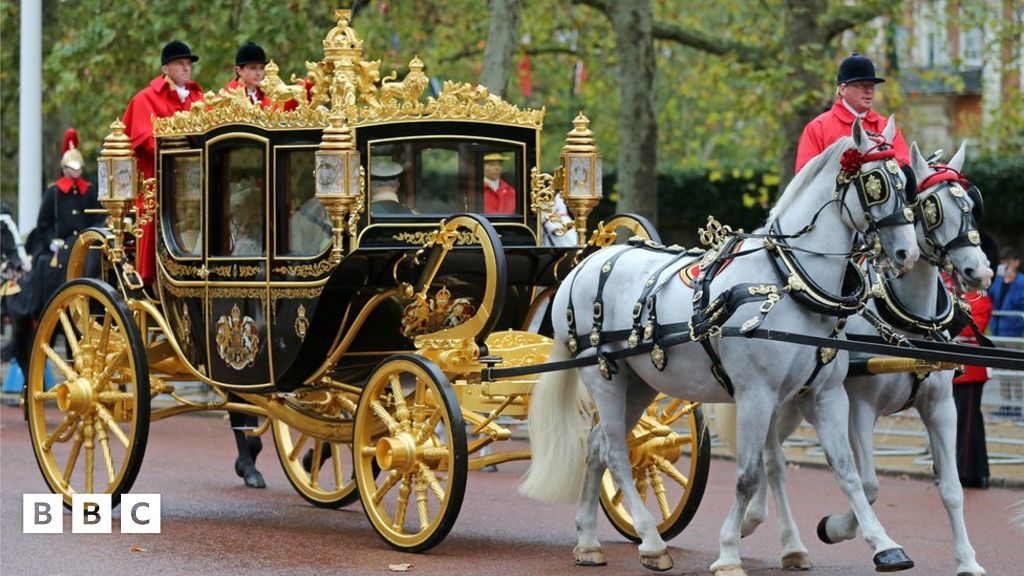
[(236, 259)]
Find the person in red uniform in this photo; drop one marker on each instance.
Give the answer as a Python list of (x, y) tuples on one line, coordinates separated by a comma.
[(856, 83), (250, 64), (971, 451), (171, 92), (499, 195)]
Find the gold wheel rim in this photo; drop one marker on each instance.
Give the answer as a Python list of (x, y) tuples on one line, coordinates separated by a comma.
[(83, 428), (655, 458), (398, 431), (328, 480)]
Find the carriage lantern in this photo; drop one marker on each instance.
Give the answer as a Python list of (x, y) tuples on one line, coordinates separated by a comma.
[(116, 175), (581, 168), (338, 177)]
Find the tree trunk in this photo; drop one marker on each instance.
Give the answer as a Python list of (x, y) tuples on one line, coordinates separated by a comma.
[(805, 43), (638, 122), (502, 38)]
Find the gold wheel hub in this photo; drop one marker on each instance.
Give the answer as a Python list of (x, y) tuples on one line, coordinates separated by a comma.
[(397, 453), (75, 396)]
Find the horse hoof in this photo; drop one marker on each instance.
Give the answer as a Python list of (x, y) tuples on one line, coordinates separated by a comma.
[(797, 561), (589, 557), (823, 531), (732, 570), (892, 560), (657, 561), (246, 470), (981, 573)]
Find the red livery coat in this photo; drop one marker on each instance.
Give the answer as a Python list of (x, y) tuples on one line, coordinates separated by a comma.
[(500, 201), (837, 122), (159, 99)]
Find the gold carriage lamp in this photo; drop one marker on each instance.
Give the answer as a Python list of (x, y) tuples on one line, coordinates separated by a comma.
[(581, 168), (339, 179), (117, 180)]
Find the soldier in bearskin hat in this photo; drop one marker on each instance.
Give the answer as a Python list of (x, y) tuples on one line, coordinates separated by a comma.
[(172, 91), (855, 91)]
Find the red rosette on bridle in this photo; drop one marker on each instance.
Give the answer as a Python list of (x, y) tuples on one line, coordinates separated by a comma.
[(851, 161)]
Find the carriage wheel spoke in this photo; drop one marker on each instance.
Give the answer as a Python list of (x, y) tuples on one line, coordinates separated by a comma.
[(314, 468), (393, 477), (396, 391), (383, 414), (40, 396), (68, 372), (428, 425), (108, 462), (336, 462), (297, 447), (640, 476), (670, 470), (659, 491), (113, 362), (90, 446), (108, 419), (101, 347), (421, 505), (69, 332), (69, 467), (402, 503), (58, 432), (431, 481)]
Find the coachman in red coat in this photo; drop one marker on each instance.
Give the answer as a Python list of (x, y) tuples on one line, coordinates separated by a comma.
[(168, 93), (856, 89)]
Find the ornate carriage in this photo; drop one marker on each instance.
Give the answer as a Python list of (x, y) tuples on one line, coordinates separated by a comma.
[(362, 336)]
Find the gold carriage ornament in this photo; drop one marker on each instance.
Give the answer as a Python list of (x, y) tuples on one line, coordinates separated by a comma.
[(339, 180), (577, 178)]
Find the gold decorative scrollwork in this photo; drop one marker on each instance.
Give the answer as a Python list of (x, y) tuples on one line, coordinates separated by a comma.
[(519, 348), (186, 325), (343, 80), (715, 233), (428, 315), (148, 208), (184, 291), (301, 323), (306, 270), (237, 292), (178, 269), (873, 187), (542, 198), (425, 238)]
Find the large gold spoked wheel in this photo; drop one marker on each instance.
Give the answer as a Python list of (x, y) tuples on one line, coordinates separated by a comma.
[(89, 431), (409, 423), (321, 470), (670, 450)]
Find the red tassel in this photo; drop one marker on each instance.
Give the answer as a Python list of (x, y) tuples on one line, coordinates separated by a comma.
[(70, 140)]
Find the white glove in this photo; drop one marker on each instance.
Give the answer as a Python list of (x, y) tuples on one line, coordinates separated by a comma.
[(55, 245)]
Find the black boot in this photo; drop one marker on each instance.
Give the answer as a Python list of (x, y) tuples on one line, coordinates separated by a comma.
[(307, 459), (249, 448)]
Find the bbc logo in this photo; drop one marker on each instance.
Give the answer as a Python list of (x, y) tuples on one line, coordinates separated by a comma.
[(90, 514)]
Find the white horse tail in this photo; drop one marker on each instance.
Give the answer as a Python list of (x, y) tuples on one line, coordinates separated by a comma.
[(560, 420), (721, 419), (1017, 519)]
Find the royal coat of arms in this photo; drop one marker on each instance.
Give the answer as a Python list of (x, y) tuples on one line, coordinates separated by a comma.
[(238, 339)]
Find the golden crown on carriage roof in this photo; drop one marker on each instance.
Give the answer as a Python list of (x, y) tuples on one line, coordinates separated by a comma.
[(342, 80)]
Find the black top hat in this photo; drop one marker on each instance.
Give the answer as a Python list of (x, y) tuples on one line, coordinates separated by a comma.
[(250, 53), (176, 49), (857, 68)]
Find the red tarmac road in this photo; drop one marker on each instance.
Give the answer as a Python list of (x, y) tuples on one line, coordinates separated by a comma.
[(212, 524)]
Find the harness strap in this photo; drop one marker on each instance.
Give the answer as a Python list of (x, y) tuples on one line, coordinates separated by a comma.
[(895, 313)]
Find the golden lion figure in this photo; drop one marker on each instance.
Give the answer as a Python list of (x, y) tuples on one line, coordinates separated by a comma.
[(410, 89), (277, 90)]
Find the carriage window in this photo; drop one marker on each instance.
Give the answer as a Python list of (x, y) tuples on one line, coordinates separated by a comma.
[(445, 176), (238, 202), (303, 227), (185, 226)]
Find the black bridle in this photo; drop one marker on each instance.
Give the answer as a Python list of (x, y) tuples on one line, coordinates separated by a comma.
[(928, 207)]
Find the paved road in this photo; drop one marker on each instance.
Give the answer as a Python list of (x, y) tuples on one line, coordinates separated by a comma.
[(213, 525)]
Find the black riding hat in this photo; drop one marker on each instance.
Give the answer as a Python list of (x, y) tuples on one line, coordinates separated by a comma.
[(176, 49), (857, 68), (250, 53)]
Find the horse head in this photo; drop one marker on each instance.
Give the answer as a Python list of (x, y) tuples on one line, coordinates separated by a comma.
[(948, 208), (878, 205)]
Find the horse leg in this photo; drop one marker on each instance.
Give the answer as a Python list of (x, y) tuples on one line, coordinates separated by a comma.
[(755, 412), (783, 423), (588, 548), (863, 416), (619, 412), (248, 447), (939, 417), (830, 418)]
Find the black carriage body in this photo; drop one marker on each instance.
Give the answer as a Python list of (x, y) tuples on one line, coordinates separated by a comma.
[(244, 252)]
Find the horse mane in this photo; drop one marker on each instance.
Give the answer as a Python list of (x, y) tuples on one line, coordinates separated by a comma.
[(809, 173)]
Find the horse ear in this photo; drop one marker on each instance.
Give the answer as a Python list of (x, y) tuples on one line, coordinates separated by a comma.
[(957, 161), (860, 138), (889, 132), (918, 163)]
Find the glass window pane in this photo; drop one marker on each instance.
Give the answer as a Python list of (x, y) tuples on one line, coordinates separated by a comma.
[(303, 226), (237, 189), (185, 227)]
